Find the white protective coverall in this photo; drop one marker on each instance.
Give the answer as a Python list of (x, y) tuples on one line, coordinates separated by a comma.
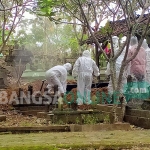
[(57, 75), (147, 50), (83, 69), (118, 66), (137, 66)]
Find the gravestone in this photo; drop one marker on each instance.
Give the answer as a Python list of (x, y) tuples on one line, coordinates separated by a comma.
[(27, 67), (39, 67)]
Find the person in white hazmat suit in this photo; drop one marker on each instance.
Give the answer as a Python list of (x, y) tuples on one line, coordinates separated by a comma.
[(124, 77), (57, 75), (118, 66), (147, 50), (83, 69)]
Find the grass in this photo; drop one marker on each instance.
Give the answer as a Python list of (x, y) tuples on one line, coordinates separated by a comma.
[(75, 140)]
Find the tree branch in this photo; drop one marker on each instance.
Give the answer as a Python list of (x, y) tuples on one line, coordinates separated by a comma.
[(96, 41), (140, 42)]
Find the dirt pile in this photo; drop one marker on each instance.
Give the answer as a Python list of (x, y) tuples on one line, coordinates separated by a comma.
[(99, 92), (71, 82), (7, 95), (36, 87)]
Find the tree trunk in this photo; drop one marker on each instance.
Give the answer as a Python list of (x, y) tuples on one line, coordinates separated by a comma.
[(97, 59)]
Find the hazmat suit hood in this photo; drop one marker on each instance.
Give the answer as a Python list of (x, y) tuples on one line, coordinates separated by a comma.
[(133, 41), (144, 44), (86, 53), (68, 66)]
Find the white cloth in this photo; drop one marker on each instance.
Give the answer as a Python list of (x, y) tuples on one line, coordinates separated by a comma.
[(58, 76), (118, 66), (83, 68), (147, 50), (137, 66), (148, 65)]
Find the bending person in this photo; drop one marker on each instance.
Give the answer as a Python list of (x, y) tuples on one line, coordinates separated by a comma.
[(57, 75)]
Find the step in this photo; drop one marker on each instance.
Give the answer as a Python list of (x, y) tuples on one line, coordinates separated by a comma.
[(25, 108), (138, 113), (107, 108), (99, 127), (52, 128), (138, 121)]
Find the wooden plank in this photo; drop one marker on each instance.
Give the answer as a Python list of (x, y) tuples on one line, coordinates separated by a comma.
[(53, 128)]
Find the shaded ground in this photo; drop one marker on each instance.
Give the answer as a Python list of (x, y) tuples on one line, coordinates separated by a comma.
[(83, 140), (14, 119)]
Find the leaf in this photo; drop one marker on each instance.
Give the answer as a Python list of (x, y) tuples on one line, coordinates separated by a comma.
[(120, 36)]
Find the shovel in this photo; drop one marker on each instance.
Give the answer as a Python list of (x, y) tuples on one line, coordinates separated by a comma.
[(42, 84)]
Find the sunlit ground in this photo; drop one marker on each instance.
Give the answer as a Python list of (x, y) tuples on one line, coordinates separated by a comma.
[(101, 139)]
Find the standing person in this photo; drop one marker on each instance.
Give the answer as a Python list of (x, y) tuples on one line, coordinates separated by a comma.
[(84, 68), (118, 66), (57, 75), (147, 50), (137, 66), (136, 69)]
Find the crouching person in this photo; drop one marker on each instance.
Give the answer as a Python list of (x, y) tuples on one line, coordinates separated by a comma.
[(57, 75)]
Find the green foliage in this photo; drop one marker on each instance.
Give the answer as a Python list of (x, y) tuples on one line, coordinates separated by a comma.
[(106, 118), (77, 120), (6, 33), (60, 122), (60, 37), (89, 119), (120, 36), (46, 8), (106, 29)]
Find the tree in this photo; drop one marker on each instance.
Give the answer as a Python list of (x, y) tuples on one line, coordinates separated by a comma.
[(119, 9), (11, 13), (68, 12)]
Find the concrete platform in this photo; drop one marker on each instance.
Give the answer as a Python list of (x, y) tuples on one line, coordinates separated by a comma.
[(107, 108), (99, 127), (52, 128), (140, 118), (67, 128), (75, 117)]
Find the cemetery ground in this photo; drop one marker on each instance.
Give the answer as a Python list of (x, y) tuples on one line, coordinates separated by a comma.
[(135, 140)]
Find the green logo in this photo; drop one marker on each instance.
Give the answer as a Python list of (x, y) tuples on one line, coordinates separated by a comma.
[(136, 90)]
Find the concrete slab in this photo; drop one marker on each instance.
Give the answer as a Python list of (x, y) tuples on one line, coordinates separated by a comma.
[(52, 128), (142, 122), (139, 113), (107, 108), (99, 127)]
